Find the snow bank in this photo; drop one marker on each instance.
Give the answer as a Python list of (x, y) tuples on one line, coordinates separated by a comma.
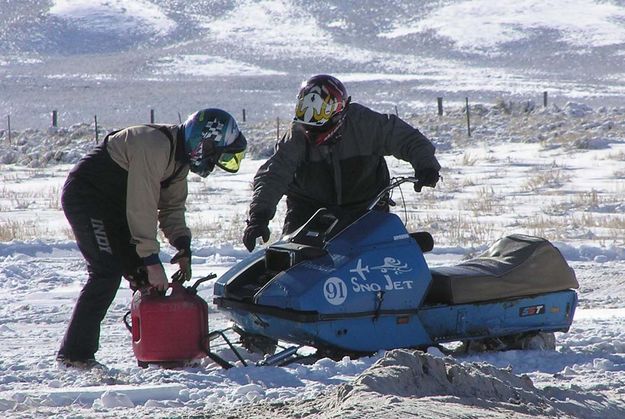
[(109, 396), (429, 386)]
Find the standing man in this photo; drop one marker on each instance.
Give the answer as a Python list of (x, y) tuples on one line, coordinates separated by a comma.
[(333, 157), (118, 195)]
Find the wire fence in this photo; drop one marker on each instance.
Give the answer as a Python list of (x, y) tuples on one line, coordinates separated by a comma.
[(152, 118)]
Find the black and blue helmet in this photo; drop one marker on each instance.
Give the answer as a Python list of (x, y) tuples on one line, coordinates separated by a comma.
[(212, 138)]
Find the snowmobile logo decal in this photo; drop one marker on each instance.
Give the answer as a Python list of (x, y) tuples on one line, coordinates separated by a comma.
[(360, 270), (532, 310), (335, 291), (361, 283), (390, 265), (393, 265), (100, 236)]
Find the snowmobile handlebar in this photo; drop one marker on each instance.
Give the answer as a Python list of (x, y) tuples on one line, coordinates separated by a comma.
[(395, 182)]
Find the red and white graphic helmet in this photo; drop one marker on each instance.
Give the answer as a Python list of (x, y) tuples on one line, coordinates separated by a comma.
[(321, 102)]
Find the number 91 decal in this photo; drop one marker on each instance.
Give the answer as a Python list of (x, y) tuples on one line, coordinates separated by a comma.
[(335, 291)]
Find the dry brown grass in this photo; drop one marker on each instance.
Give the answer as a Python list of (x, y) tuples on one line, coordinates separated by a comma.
[(486, 202), (469, 159), (28, 230), (619, 156), (552, 178), (458, 230)]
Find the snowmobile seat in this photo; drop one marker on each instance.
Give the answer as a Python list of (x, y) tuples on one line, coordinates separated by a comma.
[(514, 266)]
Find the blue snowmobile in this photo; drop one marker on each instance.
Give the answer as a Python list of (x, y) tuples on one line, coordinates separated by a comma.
[(368, 287)]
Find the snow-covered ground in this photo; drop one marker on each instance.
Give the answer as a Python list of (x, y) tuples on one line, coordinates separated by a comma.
[(558, 173)]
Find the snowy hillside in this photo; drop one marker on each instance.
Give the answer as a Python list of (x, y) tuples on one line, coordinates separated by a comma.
[(119, 59)]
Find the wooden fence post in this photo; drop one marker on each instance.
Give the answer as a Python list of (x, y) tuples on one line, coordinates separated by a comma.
[(151, 116), (396, 111), (468, 118), (545, 99), (95, 121), (9, 126), (278, 128), (243, 114), (55, 119), (439, 102)]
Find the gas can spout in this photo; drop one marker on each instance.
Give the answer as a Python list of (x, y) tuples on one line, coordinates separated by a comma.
[(201, 280)]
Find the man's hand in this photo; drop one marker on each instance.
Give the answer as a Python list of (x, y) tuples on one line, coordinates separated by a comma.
[(137, 279), (254, 230), (157, 277), (426, 177), (183, 259)]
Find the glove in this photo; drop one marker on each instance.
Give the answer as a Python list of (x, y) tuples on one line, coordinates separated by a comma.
[(137, 279), (254, 230), (426, 177), (157, 277), (183, 259)]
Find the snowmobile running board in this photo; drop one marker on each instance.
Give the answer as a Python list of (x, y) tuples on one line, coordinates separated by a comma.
[(219, 360)]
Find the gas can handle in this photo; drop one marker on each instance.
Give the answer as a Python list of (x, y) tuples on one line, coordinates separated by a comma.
[(176, 287), (126, 322)]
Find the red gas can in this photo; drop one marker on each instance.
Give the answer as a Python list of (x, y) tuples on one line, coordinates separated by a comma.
[(168, 329)]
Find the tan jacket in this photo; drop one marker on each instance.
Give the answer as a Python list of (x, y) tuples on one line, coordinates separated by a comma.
[(148, 156)]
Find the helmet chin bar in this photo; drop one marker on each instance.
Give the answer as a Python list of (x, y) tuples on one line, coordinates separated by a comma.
[(202, 168), (328, 136)]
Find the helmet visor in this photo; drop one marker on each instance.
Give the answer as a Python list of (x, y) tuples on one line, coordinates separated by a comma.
[(230, 159), (230, 162)]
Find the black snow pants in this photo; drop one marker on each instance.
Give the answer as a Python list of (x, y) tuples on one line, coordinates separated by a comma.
[(94, 202)]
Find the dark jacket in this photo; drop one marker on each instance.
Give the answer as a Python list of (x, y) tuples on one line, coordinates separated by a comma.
[(348, 174)]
